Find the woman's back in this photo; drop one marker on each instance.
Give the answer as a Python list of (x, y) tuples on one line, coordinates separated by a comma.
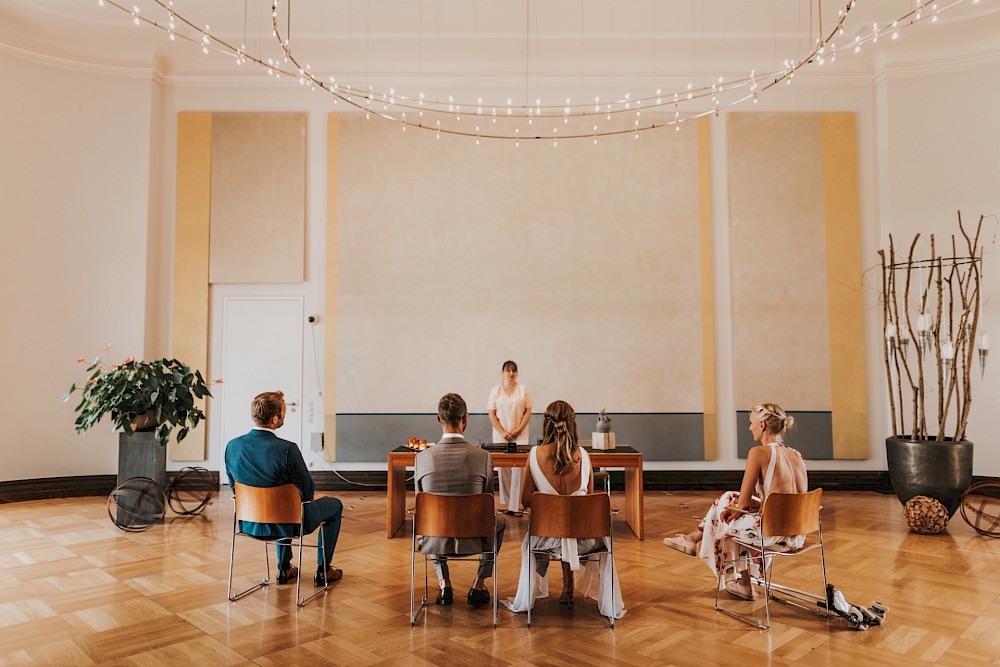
[(787, 470), (571, 480)]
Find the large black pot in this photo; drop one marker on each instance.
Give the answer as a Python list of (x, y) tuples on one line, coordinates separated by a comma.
[(940, 470)]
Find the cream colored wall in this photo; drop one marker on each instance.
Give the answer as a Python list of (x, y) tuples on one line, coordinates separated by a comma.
[(74, 206), (940, 135), (257, 198), (780, 324), (73, 182), (580, 262)]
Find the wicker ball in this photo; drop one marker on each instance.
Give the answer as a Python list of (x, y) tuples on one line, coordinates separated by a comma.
[(925, 515), (981, 508)]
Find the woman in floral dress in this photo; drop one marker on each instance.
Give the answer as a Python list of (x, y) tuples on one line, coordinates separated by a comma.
[(771, 467)]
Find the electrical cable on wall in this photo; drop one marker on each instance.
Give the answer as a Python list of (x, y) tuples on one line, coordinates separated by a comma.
[(313, 319)]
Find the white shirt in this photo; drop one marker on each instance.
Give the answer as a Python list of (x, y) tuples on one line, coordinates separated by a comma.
[(510, 410)]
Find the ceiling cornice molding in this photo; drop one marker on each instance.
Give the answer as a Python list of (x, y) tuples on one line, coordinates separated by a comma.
[(916, 69), (80, 65)]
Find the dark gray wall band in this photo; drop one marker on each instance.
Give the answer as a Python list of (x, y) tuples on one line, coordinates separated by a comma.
[(659, 436), (812, 434)]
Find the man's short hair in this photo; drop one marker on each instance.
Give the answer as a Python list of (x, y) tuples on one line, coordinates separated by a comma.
[(265, 406), (451, 409)]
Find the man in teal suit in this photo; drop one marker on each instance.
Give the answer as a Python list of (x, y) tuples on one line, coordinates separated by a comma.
[(262, 459)]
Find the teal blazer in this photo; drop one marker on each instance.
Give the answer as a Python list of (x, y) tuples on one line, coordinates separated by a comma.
[(260, 458)]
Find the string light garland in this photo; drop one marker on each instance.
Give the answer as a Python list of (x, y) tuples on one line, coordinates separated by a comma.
[(603, 117)]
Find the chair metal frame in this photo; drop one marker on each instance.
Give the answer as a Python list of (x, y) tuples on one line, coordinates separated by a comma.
[(276, 504), (782, 514), (574, 517), (436, 515), (603, 474)]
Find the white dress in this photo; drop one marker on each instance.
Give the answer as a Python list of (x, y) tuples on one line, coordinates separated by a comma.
[(510, 410), (716, 545), (597, 576)]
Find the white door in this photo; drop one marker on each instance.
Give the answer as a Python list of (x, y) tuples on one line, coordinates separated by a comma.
[(261, 351)]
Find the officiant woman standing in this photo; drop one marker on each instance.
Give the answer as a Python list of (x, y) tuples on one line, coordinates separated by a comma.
[(509, 406)]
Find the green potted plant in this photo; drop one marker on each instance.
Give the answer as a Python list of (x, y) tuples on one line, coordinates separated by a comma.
[(146, 401), (933, 329), (141, 396)]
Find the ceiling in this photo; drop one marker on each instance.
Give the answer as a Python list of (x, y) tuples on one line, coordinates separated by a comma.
[(492, 44), (459, 37)]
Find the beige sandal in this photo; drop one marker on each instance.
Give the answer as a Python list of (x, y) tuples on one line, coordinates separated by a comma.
[(738, 591), (681, 543)]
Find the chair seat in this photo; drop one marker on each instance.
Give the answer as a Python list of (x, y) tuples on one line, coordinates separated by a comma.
[(769, 551)]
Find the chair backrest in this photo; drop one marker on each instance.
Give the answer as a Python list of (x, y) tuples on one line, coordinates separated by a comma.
[(571, 516), (791, 513), (455, 516), (272, 504)]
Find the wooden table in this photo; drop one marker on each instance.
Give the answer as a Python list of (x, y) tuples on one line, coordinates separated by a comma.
[(625, 457)]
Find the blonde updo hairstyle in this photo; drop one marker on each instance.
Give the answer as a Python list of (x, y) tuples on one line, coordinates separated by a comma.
[(774, 418), (559, 429)]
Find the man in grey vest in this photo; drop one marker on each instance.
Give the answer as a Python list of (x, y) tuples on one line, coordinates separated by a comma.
[(453, 467)]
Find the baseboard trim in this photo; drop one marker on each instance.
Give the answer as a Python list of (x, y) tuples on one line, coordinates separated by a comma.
[(327, 480), (45, 488)]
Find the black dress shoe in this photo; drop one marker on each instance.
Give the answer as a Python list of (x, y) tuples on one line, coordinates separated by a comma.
[(332, 574), (291, 574), (445, 596), (478, 598)]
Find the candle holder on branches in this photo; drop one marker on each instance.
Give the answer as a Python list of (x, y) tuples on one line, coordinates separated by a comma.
[(933, 338)]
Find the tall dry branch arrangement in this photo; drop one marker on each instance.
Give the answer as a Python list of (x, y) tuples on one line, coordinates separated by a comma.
[(931, 325)]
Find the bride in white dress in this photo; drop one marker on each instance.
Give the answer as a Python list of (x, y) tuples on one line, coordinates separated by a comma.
[(559, 467)]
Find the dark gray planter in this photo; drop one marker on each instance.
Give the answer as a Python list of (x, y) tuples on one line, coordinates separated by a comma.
[(140, 455), (940, 470)]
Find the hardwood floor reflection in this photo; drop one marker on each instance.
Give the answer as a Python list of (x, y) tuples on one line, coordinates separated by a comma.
[(76, 591)]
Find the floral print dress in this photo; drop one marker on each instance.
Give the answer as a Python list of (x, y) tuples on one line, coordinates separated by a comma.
[(717, 546)]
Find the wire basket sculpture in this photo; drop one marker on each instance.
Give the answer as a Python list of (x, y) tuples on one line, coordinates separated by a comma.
[(191, 491), (981, 508), (138, 503)]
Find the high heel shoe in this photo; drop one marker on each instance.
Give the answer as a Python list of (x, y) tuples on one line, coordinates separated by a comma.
[(566, 598)]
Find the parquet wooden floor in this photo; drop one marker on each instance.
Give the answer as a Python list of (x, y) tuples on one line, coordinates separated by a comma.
[(76, 591)]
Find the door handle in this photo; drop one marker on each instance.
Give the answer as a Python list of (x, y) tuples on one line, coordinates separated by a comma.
[(291, 406)]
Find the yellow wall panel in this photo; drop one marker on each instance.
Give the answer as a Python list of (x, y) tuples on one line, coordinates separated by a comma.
[(848, 394), (332, 202), (707, 297), (189, 328)]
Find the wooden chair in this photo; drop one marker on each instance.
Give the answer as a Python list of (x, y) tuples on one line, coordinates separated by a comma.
[(452, 516), (275, 504), (576, 517), (783, 514)]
